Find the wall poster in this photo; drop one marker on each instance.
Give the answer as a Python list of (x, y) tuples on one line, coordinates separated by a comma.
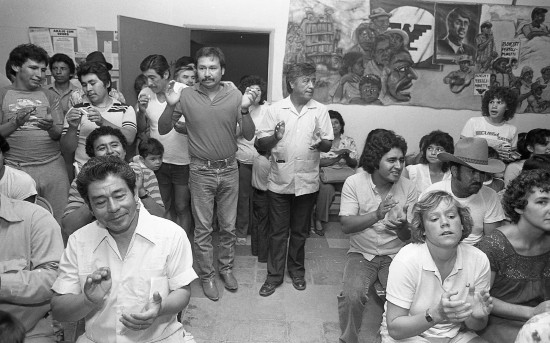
[(420, 53)]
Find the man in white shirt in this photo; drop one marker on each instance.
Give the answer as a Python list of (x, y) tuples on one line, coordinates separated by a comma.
[(469, 163)]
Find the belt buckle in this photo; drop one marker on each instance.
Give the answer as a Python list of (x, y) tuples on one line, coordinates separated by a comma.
[(219, 164)]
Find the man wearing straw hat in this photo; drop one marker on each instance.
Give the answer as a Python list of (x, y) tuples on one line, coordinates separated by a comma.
[(469, 163)]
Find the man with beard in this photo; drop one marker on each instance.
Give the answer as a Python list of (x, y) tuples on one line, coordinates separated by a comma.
[(458, 22), (469, 163), (295, 129), (400, 77)]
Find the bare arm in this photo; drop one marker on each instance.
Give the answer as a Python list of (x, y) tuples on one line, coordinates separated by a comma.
[(71, 307), (166, 123), (490, 227)]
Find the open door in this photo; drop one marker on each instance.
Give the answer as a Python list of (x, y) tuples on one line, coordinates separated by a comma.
[(141, 38)]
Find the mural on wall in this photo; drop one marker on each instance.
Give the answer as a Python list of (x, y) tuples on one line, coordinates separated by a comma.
[(421, 53)]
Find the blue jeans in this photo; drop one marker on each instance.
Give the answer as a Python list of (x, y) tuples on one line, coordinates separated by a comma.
[(222, 186), (359, 276)]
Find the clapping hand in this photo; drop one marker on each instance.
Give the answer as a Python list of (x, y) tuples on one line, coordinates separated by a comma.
[(144, 319), (97, 286), (143, 102), (249, 97), (280, 130), (172, 94), (454, 311), (385, 206)]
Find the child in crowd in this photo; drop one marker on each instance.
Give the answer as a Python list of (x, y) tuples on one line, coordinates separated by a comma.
[(498, 107), (260, 221), (150, 154), (186, 75)]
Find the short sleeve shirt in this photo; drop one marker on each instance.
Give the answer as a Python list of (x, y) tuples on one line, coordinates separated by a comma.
[(297, 171), (494, 134), (159, 259), (360, 197)]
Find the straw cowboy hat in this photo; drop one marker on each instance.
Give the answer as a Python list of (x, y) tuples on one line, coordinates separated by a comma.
[(97, 56), (473, 152), (379, 12)]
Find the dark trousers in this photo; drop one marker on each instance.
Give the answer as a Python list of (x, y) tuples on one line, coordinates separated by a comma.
[(259, 228), (288, 215)]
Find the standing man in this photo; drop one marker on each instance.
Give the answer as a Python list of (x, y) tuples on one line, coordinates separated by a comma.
[(485, 44), (302, 129), (128, 272), (63, 70), (454, 43), (469, 163), (212, 110), (30, 249), (31, 121)]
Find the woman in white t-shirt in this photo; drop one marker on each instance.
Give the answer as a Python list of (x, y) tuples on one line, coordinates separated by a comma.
[(498, 106), (438, 287), (430, 169)]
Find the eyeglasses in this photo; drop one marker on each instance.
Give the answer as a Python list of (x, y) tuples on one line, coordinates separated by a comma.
[(435, 149)]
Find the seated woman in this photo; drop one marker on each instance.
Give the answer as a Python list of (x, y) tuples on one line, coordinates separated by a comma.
[(97, 108), (536, 141), (342, 153), (519, 254), (430, 169), (430, 280)]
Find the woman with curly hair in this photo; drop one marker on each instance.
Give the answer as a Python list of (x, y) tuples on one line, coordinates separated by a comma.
[(373, 211), (430, 281), (430, 169), (519, 254), (498, 106)]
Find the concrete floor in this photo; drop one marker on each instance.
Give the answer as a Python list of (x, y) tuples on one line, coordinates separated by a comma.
[(288, 315)]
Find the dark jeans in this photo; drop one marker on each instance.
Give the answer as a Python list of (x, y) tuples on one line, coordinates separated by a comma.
[(288, 212), (259, 228), (244, 204)]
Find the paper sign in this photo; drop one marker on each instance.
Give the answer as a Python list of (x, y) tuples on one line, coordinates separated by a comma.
[(87, 39), (481, 83), (41, 36), (509, 49), (63, 32), (64, 45)]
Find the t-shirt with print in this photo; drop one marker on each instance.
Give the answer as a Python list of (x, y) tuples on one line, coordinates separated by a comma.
[(30, 144), (494, 134)]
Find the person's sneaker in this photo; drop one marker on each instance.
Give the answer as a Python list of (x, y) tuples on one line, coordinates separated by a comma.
[(210, 289), (268, 288), (241, 241), (299, 282), (229, 280)]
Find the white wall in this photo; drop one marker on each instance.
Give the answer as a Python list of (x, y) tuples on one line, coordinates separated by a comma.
[(246, 15)]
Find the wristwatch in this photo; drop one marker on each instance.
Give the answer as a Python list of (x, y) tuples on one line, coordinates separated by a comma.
[(428, 316), (245, 112), (144, 196)]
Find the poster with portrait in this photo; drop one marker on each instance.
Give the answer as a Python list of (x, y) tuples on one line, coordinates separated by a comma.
[(420, 53)]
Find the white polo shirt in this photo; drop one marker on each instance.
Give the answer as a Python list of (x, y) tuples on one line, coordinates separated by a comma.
[(414, 282)]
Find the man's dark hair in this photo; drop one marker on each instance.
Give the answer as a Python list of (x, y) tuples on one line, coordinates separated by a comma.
[(440, 138), (100, 132), (254, 80), (4, 145), (97, 68), (537, 161), (503, 93), (486, 24), (297, 70), (98, 168), (11, 329), (454, 14), (21, 53), (150, 146), (65, 59), (156, 62), (210, 51), (538, 10), (336, 115), (537, 136), (518, 190), (377, 145), (184, 61)]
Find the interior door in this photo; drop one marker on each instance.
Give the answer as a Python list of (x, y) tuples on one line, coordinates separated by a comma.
[(141, 38)]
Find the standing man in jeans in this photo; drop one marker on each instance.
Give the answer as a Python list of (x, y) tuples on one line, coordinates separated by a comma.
[(212, 110), (295, 129)]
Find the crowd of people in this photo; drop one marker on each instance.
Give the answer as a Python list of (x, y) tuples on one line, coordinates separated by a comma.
[(136, 192)]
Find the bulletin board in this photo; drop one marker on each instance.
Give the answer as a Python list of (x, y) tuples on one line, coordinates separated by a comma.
[(78, 43)]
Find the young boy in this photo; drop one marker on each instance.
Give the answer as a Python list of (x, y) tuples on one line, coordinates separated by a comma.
[(186, 75), (150, 154), (260, 221)]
